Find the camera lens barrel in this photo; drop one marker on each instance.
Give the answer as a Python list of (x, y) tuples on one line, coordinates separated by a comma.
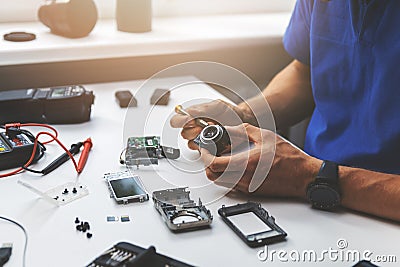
[(214, 138)]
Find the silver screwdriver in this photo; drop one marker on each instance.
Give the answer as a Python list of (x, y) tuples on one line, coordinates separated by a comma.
[(180, 110)]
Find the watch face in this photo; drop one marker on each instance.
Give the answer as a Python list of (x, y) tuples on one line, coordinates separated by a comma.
[(323, 196)]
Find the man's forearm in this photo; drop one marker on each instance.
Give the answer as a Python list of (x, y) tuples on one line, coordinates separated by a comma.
[(289, 96), (362, 190), (370, 192)]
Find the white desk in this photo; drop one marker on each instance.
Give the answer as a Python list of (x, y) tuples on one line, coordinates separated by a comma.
[(53, 240)]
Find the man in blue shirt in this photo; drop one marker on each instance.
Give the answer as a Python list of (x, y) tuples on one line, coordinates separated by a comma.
[(345, 74)]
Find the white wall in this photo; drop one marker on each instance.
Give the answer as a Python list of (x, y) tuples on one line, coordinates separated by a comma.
[(26, 10)]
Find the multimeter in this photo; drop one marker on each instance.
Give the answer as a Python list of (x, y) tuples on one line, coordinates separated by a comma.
[(57, 105), (15, 151)]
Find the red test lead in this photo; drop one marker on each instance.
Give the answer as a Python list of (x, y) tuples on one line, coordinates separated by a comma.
[(87, 145)]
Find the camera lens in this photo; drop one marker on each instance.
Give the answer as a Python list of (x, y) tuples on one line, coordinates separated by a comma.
[(214, 138), (210, 132)]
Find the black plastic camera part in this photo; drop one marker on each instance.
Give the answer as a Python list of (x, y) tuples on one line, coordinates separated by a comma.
[(265, 230), (214, 138), (124, 254)]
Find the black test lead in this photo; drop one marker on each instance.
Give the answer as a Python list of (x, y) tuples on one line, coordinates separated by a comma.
[(75, 148)]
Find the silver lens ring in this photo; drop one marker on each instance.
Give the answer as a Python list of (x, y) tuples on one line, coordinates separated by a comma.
[(216, 132)]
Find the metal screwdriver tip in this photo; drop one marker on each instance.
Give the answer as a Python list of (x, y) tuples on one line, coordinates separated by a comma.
[(180, 110)]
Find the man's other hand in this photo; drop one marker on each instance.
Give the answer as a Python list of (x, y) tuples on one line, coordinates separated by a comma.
[(270, 166)]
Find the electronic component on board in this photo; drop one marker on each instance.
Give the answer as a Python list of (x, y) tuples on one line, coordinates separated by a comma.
[(147, 151), (179, 212), (252, 224), (142, 151), (125, 187)]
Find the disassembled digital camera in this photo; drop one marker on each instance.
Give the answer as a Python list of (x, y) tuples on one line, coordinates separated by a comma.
[(252, 224), (146, 151), (179, 212), (126, 187), (215, 139)]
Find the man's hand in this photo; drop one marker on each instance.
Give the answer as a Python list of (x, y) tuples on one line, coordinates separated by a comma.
[(217, 111), (272, 166)]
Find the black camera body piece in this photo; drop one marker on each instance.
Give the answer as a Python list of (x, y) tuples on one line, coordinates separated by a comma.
[(126, 254), (73, 19), (241, 218), (15, 150), (58, 105), (214, 138)]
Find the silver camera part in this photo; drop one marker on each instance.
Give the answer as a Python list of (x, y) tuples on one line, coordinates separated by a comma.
[(125, 187), (179, 212)]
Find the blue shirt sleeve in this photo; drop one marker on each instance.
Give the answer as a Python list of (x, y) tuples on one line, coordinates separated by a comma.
[(297, 36)]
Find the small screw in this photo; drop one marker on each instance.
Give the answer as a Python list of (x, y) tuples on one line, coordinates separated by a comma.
[(74, 190), (86, 225), (77, 220), (89, 235)]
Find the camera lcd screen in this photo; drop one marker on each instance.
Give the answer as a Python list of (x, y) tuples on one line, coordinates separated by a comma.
[(126, 187), (248, 223)]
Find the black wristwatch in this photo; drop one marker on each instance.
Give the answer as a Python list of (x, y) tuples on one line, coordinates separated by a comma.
[(324, 191)]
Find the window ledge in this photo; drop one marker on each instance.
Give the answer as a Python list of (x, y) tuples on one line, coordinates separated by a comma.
[(169, 36)]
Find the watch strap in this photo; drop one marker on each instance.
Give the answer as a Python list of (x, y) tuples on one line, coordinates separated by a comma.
[(329, 172), (324, 191)]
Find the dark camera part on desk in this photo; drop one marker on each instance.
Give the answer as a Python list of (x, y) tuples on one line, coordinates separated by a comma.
[(125, 99), (126, 254), (215, 139), (57, 105), (74, 19), (252, 224), (160, 97), (365, 263)]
